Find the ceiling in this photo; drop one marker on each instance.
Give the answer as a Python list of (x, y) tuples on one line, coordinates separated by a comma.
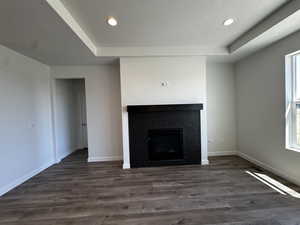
[(32, 28), (168, 22), (74, 32)]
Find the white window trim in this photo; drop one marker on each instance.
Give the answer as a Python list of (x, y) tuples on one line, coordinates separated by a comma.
[(291, 102)]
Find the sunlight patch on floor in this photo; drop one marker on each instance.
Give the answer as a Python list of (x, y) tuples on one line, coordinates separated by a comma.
[(265, 182), (274, 184)]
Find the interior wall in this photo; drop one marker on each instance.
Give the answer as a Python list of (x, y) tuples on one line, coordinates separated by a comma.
[(141, 79), (103, 101), (67, 117), (25, 117), (221, 109), (260, 95)]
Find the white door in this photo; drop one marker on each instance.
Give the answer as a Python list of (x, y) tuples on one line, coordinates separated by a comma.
[(82, 100)]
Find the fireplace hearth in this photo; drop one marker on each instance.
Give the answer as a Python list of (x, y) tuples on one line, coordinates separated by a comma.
[(161, 135)]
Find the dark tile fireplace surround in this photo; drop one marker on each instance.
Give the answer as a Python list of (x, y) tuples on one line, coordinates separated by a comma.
[(161, 135)]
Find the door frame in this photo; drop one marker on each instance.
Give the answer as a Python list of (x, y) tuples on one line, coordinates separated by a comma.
[(83, 119), (54, 110)]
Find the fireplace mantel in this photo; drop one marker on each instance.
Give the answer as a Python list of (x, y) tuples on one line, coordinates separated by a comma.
[(164, 108)]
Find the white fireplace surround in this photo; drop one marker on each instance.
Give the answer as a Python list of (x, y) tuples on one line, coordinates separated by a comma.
[(163, 81), (126, 149)]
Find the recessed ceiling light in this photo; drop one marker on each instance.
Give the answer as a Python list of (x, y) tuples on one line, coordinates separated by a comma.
[(228, 22), (112, 21)]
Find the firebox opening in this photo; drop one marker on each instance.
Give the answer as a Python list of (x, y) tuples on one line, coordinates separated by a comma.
[(165, 144)]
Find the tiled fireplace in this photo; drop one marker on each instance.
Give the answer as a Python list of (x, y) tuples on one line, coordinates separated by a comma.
[(161, 135)]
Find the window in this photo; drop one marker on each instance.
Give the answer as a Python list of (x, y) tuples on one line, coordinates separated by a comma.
[(293, 101)]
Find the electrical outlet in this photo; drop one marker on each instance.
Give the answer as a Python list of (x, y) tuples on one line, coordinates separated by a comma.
[(31, 125), (164, 83)]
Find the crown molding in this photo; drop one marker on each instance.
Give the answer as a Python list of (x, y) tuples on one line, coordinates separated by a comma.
[(161, 51)]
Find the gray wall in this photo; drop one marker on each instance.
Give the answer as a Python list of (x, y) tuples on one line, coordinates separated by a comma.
[(221, 117), (261, 109), (103, 99), (25, 118)]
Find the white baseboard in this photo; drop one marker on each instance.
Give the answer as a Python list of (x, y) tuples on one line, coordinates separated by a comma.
[(222, 153), (24, 178), (61, 157), (104, 159), (267, 167), (126, 166), (204, 162), (65, 155)]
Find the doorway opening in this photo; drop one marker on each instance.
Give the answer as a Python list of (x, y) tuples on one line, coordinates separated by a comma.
[(70, 117)]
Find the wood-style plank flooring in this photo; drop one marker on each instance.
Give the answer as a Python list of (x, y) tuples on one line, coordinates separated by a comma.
[(75, 192)]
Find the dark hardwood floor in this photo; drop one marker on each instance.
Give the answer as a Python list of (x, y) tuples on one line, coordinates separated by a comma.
[(75, 192)]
